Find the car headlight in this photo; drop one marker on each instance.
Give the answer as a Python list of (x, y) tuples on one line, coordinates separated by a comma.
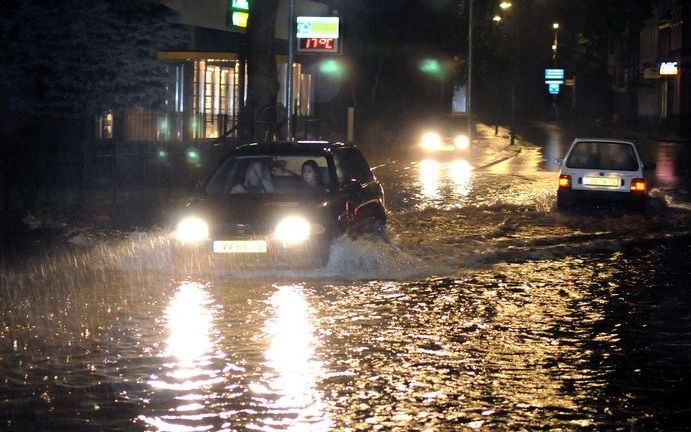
[(293, 230), (461, 142), (431, 141), (192, 230)]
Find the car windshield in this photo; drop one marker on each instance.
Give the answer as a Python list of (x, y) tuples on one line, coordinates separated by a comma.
[(602, 156), (270, 175)]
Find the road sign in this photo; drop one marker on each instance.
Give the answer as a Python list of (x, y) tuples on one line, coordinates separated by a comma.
[(554, 76), (318, 34), (553, 89), (317, 27)]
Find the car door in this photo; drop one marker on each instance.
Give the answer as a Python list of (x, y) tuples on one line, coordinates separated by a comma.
[(361, 193)]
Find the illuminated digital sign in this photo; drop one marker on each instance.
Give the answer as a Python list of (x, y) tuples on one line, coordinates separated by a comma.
[(318, 34), (327, 45)]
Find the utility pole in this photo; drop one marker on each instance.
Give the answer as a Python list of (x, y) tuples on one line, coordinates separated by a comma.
[(470, 72), (514, 71), (289, 70)]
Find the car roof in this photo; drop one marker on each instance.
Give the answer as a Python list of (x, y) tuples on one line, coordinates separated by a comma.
[(604, 140), (297, 148)]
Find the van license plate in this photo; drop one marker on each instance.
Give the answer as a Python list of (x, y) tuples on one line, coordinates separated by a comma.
[(239, 246), (601, 181)]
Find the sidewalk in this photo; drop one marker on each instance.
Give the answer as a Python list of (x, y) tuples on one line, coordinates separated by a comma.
[(490, 149)]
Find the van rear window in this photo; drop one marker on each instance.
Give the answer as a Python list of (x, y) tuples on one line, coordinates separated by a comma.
[(602, 156)]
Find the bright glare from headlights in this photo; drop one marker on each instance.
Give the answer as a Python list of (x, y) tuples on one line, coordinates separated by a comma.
[(192, 230), (292, 230), (431, 141), (461, 142)]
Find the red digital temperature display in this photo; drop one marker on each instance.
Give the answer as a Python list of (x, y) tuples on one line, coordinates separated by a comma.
[(329, 45)]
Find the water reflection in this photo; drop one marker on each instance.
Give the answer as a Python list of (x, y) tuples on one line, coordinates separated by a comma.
[(429, 179), (438, 179), (290, 384), (193, 369), (665, 171), (461, 173)]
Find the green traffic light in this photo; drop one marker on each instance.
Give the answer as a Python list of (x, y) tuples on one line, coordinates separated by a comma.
[(430, 66)]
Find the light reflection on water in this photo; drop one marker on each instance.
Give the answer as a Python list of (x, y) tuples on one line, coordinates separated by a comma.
[(191, 373), (293, 370), (584, 341), (444, 183)]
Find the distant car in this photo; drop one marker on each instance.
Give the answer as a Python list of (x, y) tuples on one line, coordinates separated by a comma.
[(259, 206), (604, 171), (442, 137)]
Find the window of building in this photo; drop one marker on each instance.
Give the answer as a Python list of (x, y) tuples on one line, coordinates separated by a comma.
[(216, 97), (303, 90)]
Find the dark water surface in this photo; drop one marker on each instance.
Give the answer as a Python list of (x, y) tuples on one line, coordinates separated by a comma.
[(596, 341)]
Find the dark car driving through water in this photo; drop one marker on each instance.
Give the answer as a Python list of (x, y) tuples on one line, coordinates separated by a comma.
[(281, 204)]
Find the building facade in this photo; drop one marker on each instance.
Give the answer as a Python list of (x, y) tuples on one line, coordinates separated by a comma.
[(651, 69), (208, 77)]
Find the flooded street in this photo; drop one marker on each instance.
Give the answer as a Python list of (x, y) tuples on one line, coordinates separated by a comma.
[(486, 310)]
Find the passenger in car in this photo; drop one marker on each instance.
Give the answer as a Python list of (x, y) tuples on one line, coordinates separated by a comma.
[(257, 179), (311, 175)]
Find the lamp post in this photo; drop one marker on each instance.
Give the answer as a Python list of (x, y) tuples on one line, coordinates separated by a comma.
[(555, 26), (506, 5), (555, 45), (470, 72)]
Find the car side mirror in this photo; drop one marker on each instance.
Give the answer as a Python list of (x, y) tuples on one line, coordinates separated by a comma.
[(351, 185)]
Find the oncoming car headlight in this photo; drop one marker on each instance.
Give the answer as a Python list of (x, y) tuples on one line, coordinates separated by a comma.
[(431, 141), (192, 230), (293, 230), (461, 142)]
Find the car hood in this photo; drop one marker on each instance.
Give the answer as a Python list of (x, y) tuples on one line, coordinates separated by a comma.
[(246, 214)]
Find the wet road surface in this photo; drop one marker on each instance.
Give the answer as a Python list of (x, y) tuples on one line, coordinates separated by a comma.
[(487, 310)]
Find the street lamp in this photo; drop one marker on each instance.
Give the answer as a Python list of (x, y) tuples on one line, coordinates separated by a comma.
[(506, 5), (555, 26), (470, 73)]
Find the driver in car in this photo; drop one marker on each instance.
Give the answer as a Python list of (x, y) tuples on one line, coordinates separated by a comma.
[(257, 179)]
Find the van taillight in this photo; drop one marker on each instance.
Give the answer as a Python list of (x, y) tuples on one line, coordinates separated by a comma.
[(564, 181), (638, 185)]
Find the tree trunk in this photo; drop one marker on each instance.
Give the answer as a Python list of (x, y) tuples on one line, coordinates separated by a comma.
[(260, 111)]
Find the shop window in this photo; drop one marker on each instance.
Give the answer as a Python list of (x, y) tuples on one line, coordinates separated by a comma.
[(216, 98)]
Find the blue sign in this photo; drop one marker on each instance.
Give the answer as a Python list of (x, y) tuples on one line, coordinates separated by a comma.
[(553, 89), (554, 74)]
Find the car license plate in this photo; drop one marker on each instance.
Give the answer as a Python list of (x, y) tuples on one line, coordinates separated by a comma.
[(601, 181), (239, 246)]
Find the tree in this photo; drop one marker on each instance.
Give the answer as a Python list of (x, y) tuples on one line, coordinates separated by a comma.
[(259, 114), (65, 62), (85, 57)]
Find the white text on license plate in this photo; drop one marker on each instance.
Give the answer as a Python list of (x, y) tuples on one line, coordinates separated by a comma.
[(240, 246), (601, 181)]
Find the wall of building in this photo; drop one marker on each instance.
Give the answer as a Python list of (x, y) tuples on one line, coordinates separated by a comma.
[(647, 95)]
